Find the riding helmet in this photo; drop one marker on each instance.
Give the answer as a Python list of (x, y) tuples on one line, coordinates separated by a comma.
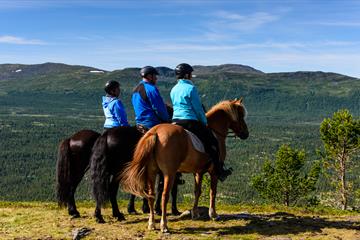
[(183, 69), (111, 85), (148, 70)]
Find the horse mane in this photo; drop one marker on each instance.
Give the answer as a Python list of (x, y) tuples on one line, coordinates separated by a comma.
[(228, 107)]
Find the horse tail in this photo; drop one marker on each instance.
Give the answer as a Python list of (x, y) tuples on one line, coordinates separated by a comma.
[(99, 170), (63, 176), (134, 177)]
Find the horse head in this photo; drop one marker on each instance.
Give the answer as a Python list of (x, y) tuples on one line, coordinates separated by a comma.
[(237, 123), (229, 114)]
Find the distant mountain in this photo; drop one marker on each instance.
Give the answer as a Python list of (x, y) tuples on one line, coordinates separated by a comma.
[(14, 71), (232, 68), (227, 78)]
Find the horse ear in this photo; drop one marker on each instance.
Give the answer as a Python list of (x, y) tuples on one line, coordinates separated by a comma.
[(241, 100)]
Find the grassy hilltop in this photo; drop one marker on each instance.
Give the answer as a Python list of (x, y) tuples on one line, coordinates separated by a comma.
[(24, 220), (42, 104)]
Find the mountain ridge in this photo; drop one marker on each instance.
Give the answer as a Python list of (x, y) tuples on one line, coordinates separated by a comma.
[(50, 67)]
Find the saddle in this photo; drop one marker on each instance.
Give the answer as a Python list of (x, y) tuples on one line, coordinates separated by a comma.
[(198, 145)]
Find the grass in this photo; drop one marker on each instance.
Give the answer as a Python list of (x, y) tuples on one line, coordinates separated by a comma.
[(44, 220)]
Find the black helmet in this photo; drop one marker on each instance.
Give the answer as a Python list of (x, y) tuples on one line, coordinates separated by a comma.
[(111, 85), (148, 70), (183, 69)]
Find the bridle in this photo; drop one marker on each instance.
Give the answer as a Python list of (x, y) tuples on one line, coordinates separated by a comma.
[(232, 134)]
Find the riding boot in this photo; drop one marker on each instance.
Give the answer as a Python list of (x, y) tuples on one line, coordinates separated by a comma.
[(222, 173)]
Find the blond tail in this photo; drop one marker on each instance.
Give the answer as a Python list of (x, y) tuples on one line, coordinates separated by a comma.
[(134, 177)]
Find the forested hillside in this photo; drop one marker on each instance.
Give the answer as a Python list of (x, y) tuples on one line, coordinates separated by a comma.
[(42, 104)]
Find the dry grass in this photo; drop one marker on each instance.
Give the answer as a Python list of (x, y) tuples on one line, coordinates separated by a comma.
[(46, 221)]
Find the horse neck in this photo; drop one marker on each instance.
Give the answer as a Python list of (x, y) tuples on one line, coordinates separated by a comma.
[(219, 122)]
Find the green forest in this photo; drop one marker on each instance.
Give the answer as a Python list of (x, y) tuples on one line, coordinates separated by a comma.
[(49, 102)]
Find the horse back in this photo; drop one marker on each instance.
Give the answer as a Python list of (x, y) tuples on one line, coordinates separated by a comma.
[(175, 150)]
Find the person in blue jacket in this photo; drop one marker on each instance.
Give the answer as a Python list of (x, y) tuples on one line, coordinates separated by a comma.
[(148, 104), (189, 113), (114, 110)]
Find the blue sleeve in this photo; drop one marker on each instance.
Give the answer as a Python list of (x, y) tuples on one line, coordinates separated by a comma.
[(120, 114), (197, 106), (158, 104)]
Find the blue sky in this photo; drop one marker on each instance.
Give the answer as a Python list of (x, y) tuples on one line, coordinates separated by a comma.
[(272, 36)]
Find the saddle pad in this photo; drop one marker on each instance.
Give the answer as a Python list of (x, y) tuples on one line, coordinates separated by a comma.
[(198, 145)]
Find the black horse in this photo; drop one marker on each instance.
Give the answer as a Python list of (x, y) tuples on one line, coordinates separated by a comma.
[(111, 152)]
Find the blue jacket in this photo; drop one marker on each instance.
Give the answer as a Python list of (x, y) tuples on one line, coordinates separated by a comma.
[(114, 112), (186, 102), (149, 106)]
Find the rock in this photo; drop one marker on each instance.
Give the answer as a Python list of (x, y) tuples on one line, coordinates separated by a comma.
[(79, 233)]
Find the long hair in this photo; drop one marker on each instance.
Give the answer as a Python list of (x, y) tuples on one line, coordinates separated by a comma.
[(134, 177), (63, 176)]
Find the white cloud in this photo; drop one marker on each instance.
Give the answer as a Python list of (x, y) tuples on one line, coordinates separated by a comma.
[(20, 41), (336, 23), (235, 21)]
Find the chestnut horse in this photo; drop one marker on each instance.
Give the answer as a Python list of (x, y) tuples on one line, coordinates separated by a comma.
[(168, 148)]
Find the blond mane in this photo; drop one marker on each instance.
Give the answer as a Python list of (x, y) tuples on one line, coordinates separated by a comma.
[(228, 107)]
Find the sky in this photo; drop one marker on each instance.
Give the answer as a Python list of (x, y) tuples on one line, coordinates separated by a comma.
[(271, 36)]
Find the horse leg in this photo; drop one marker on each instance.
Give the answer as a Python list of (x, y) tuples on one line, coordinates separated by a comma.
[(159, 194), (151, 200), (99, 218), (198, 180), (145, 206), (73, 212), (212, 212), (174, 190), (114, 186), (131, 205), (168, 182)]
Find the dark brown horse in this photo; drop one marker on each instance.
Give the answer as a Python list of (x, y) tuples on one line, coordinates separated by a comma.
[(72, 163), (74, 159), (168, 148)]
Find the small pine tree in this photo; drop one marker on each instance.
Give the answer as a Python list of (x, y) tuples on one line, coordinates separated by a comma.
[(341, 138), (283, 181)]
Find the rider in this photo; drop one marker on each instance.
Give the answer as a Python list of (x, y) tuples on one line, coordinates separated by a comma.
[(148, 104), (189, 113), (114, 110), (150, 110)]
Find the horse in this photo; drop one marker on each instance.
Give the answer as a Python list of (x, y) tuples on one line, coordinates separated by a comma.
[(169, 149), (112, 151), (73, 162)]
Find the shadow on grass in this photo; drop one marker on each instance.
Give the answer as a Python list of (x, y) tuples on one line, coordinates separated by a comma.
[(280, 223)]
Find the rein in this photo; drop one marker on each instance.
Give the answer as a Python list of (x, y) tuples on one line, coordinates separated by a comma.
[(224, 135)]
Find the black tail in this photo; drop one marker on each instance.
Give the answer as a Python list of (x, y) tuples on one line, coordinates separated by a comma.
[(100, 175), (63, 181)]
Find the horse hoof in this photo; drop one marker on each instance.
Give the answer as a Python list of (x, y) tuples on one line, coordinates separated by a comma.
[(165, 230), (175, 212), (100, 220), (151, 227), (215, 218), (120, 217), (133, 212), (74, 214)]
